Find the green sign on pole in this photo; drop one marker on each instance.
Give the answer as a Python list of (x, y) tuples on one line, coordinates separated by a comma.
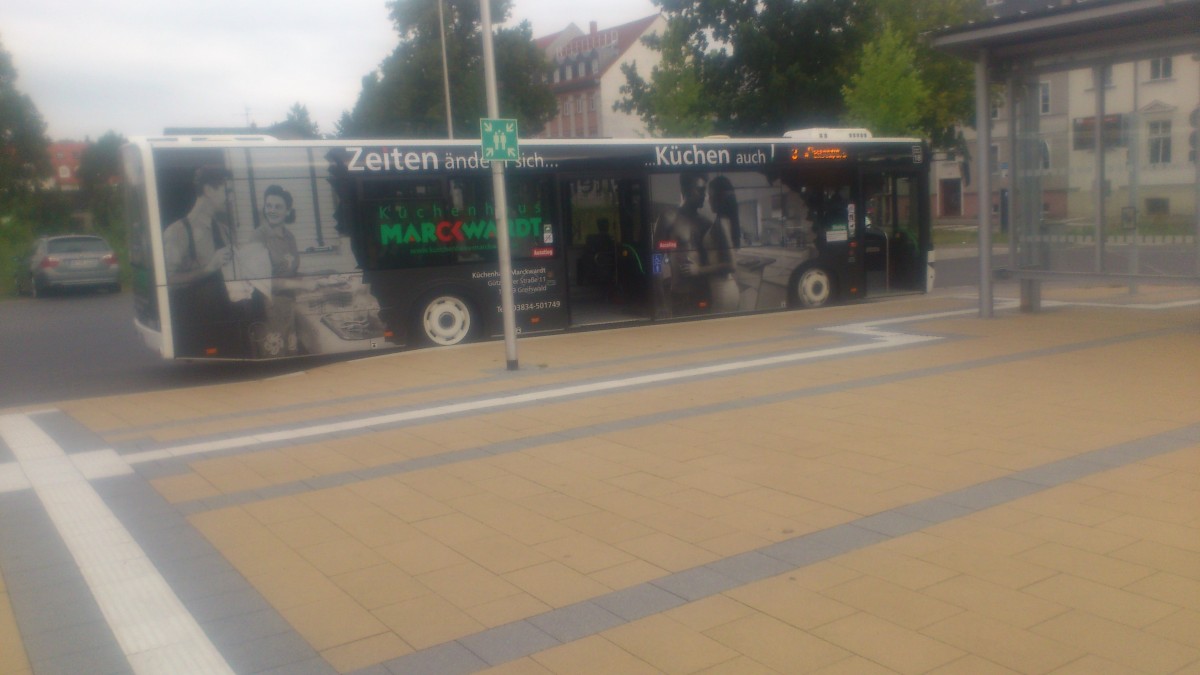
[(499, 139)]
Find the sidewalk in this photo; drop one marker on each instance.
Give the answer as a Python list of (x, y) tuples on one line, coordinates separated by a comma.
[(890, 487)]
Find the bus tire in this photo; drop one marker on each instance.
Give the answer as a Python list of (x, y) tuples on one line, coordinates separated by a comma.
[(812, 287), (445, 319)]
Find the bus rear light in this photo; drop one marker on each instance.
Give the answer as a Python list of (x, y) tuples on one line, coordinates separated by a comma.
[(210, 351), (535, 320), (48, 262), (388, 334), (110, 259)]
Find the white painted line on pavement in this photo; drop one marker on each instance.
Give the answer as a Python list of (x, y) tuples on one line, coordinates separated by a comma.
[(153, 628), (882, 339)]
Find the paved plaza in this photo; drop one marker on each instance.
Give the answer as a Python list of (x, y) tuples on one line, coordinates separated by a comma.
[(889, 487)]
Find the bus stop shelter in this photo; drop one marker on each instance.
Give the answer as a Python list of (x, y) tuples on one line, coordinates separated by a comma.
[(1100, 179)]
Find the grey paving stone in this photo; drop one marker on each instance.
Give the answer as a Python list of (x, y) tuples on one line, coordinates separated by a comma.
[(577, 621), (267, 653), (696, 583), (68, 433), (314, 666), (93, 662), (639, 601), (991, 493), (749, 567), (892, 523), (1058, 473), (451, 658), (934, 511), (506, 643)]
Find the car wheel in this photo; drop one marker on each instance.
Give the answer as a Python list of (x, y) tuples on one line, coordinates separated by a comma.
[(445, 319), (813, 287), (37, 289)]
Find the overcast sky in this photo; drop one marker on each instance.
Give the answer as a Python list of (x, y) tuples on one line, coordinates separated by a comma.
[(137, 66)]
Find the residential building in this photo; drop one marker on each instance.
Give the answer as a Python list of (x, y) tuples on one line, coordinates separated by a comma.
[(65, 157), (587, 77)]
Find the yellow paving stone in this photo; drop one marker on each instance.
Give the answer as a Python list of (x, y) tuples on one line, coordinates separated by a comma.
[(427, 621), (467, 585), (306, 531), (556, 584), (184, 487), (420, 555), (785, 599), (400, 500), (1013, 607), (1176, 590), (526, 666), (1164, 557), (972, 665), (627, 575), (669, 645), (583, 554), (504, 516), (507, 610), (295, 586), (709, 612), (905, 608), (1111, 603), (12, 651), (230, 475), (340, 556), (379, 586), (331, 622), (733, 543), (366, 652), (986, 565), (779, 646), (593, 656), (903, 650), (500, 553), (278, 510), (667, 552), (1182, 627), (455, 528), (1094, 665), (687, 526), (1099, 568), (555, 505), (910, 572), (1171, 534), (738, 666), (985, 537), (1021, 650), (1067, 533), (1117, 642)]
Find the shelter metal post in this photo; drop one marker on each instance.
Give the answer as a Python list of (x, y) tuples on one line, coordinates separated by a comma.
[(984, 188)]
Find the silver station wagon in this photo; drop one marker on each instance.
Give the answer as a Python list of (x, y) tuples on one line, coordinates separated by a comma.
[(68, 261)]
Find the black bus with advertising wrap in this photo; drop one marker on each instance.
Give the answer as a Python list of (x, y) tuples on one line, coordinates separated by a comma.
[(253, 248)]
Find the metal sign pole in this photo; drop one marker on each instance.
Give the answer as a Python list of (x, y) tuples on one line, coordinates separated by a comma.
[(506, 285)]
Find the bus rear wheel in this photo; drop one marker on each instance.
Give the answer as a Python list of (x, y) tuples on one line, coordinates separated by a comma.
[(813, 287), (445, 320)]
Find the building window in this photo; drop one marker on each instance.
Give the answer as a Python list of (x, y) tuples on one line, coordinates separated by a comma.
[(996, 111), (1158, 206), (994, 159), (1043, 155), (1160, 69), (1160, 142), (567, 107), (1044, 98), (582, 108), (1105, 76)]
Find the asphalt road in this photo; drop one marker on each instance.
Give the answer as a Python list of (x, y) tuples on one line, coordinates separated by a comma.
[(81, 345)]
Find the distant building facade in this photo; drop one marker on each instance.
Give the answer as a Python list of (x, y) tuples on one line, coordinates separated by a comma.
[(587, 77), (65, 157)]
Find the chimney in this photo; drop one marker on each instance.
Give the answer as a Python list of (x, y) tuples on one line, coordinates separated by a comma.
[(594, 27)]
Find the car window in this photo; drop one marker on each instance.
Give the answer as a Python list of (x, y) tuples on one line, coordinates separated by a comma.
[(78, 245)]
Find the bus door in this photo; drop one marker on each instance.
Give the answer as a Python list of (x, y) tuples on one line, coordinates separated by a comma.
[(606, 248), (891, 250)]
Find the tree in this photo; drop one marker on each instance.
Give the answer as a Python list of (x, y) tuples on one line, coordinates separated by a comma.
[(298, 125), (404, 97), (887, 95), (23, 142), (766, 66), (99, 183), (760, 67)]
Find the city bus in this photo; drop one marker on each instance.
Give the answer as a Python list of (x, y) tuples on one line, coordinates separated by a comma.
[(257, 248)]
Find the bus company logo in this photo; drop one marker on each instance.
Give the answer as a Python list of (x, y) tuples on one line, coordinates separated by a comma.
[(668, 245), (543, 252)]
